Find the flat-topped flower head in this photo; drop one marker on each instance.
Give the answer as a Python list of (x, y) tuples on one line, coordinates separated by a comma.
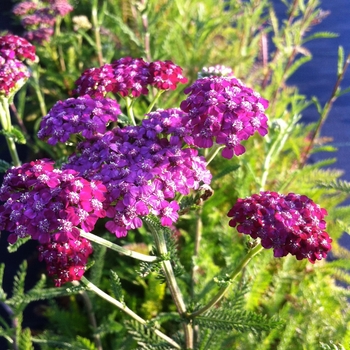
[(46, 203), (290, 223), (15, 47), (66, 262), (83, 115), (166, 75), (126, 77), (129, 77), (225, 111)]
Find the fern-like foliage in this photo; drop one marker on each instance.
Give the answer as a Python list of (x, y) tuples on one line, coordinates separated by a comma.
[(20, 241), (117, 287), (225, 319), (146, 338), (339, 185)]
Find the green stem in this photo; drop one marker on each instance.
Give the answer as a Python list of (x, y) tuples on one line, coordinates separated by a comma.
[(117, 248), (215, 150), (175, 291), (129, 102), (6, 124), (198, 237), (96, 26), (150, 107), (225, 288), (36, 86), (128, 311)]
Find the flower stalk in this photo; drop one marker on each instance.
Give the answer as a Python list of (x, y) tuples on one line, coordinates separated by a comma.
[(91, 287), (223, 290), (5, 118), (175, 291)]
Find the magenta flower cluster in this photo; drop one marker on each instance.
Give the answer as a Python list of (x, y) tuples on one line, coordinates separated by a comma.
[(142, 172), (290, 223), (83, 115), (13, 73), (129, 77), (39, 17), (49, 205), (225, 111)]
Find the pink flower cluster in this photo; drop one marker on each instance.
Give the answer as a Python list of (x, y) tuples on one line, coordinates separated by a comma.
[(223, 110), (39, 17), (129, 77), (13, 73), (50, 206), (287, 223), (83, 115)]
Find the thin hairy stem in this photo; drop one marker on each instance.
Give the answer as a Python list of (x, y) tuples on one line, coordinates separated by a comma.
[(128, 311), (223, 290)]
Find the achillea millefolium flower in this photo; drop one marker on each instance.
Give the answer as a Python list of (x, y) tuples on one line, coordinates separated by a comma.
[(223, 110), (290, 223)]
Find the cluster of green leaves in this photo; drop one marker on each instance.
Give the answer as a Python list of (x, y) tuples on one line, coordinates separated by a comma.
[(275, 303)]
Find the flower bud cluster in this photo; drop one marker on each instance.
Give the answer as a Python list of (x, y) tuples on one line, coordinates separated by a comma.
[(66, 261), (290, 223), (83, 115), (223, 110), (39, 17), (13, 72), (129, 77)]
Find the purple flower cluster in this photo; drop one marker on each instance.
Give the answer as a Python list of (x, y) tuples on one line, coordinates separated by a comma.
[(287, 223), (39, 17), (49, 204), (225, 111), (129, 77), (67, 261), (83, 115), (142, 173), (13, 73)]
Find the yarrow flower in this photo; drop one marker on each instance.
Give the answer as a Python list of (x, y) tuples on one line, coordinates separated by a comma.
[(49, 204), (142, 172), (13, 73), (290, 223), (225, 111), (66, 262), (126, 76), (129, 77), (82, 115)]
